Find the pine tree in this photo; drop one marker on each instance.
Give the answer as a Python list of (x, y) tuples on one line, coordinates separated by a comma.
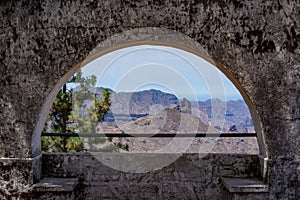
[(74, 111), (58, 121)]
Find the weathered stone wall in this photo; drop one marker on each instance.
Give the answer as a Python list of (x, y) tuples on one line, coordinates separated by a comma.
[(256, 41), (284, 178), (18, 175), (14, 179), (189, 177)]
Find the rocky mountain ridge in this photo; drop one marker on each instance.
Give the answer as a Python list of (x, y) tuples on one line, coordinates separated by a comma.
[(153, 111), (224, 116)]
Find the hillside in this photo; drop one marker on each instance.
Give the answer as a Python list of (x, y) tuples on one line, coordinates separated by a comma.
[(225, 114), (230, 116), (174, 121), (153, 111), (129, 106)]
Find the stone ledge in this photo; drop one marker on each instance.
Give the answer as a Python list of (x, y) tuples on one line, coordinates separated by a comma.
[(249, 185), (56, 185)]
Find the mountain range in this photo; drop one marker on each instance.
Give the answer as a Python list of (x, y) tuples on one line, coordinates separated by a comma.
[(153, 111), (225, 116)]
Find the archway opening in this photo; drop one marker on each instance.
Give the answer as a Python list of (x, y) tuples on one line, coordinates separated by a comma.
[(163, 38), (154, 90)]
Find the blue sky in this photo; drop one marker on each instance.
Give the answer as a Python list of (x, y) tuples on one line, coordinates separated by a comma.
[(164, 68)]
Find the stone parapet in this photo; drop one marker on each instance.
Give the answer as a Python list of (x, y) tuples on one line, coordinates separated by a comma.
[(189, 177)]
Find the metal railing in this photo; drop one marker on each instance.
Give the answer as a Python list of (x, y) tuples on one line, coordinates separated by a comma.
[(158, 135)]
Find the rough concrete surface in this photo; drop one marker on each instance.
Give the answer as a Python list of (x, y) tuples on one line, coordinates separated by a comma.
[(256, 42)]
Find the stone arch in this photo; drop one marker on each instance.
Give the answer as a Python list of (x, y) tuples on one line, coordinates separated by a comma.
[(257, 42), (42, 44), (149, 36)]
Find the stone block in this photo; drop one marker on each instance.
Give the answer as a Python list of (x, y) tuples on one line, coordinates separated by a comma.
[(55, 188)]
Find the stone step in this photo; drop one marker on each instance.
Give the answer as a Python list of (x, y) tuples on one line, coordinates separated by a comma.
[(56, 188), (245, 189), (249, 185)]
